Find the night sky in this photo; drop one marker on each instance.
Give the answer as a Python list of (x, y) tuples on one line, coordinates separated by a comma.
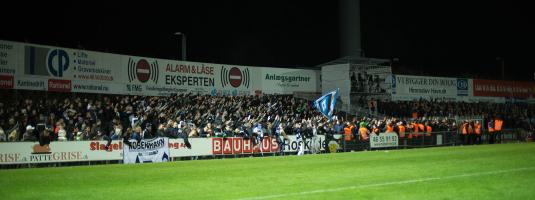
[(446, 38)]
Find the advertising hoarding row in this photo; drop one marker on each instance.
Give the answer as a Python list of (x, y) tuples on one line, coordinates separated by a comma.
[(40, 67), (405, 87), (72, 151)]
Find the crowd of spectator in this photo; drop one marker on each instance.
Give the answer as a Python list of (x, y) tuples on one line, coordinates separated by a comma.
[(34, 116), (514, 115)]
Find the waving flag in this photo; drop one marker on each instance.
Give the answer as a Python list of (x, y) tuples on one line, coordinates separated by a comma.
[(325, 104)]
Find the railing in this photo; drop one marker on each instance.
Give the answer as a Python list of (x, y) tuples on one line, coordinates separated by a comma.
[(442, 138)]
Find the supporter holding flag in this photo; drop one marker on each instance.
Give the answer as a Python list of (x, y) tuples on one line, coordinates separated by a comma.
[(326, 103)]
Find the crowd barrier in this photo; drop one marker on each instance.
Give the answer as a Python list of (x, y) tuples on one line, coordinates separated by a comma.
[(28, 154), (440, 138), (91, 151)]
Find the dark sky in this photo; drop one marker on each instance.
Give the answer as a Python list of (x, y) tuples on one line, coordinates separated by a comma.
[(449, 38)]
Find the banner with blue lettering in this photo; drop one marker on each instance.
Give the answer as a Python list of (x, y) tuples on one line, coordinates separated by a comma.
[(146, 151), (326, 103)]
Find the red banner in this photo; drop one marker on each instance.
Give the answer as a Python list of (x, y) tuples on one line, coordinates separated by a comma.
[(55, 85), (6, 82), (240, 145), (495, 88)]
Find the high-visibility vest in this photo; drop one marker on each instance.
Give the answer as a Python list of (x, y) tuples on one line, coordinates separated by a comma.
[(429, 129), (348, 135), (478, 129), (470, 129), (464, 129), (490, 128), (414, 127), (375, 130), (401, 131), (363, 131), (498, 124), (421, 128), (389, 128)]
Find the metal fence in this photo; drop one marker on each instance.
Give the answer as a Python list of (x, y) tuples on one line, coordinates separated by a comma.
[(445, 138)]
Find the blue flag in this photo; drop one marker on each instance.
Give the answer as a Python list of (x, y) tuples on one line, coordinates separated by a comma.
[(325, 104)]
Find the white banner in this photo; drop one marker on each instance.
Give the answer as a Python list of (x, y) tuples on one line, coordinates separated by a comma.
[(268, 145), (147, 151), (10, 58), (41, 67), (32, 152), (287, 81), (415, 87), (389, 139), (199, 147)]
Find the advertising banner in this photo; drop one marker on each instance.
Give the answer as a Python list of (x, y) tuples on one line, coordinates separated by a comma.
[(32, 152), (382, 140), (415, 87), (496, 88), (155, 150), (146, 151), (41, 67), (199, 147), (9, 57), (68, 64), (287, 81)]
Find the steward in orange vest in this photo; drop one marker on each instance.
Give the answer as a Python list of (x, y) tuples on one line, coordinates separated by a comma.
[(390, 127), (428, 129), (498, 129), (363, 132), (348, 132), (421, 128), (477, 130), (414, 129), (464, 131), (401, 130)]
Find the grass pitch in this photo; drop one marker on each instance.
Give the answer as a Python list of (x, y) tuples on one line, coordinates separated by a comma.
[(505, 171)]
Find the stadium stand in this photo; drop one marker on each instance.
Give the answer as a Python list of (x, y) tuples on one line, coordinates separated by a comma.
[(31, 115)]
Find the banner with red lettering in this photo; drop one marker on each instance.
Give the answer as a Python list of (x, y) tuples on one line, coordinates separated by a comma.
[(71, 151), (496, 88), (32, 152)]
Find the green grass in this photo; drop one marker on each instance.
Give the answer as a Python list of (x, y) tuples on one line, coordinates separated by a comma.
[(471, 172)]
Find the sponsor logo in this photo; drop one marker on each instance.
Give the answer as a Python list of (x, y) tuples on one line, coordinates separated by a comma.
[(97, 146), (44, 154), (142, 70), (134, 88), (45, 61), (39, 84), (38, 149), (235, 77), (55, 85), (6, 82), (462, 87), (58, 61), (90, 87), (240, 145), (283, 78)]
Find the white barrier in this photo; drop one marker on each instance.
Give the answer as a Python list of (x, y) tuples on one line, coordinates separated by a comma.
[(72, 151), (389, 139)]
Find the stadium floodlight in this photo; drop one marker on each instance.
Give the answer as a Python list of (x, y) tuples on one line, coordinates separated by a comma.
[(183, 44)]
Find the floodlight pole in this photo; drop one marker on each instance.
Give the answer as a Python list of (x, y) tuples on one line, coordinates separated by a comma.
[(183, 45)]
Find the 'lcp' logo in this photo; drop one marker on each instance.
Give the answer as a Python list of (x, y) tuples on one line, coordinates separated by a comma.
[(235, 77), (58, 62)]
